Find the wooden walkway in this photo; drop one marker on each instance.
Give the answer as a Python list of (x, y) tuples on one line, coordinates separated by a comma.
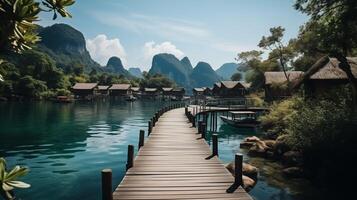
[(172, 165)]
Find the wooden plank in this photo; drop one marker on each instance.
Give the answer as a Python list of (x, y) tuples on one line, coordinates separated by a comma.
[(172, 165)]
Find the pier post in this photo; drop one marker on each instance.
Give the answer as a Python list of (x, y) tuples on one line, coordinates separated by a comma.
[(141, 139), (199, 127), (238, 161), (203, 130), (149, 126), (238, 181), (193, 121), (130, 158), (107, 193), (215, 145)]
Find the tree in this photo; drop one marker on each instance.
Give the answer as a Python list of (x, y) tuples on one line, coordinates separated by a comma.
[(279, 51), (236, 77), (255, 67), (17, 17), (155, 81), (30, 87), (335, 26)]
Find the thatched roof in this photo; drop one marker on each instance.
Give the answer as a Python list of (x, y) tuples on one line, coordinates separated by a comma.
[(279, 77), (135, 89), (232, 84), (84, 86), (218, 84), (150, 89), (332, 71), (198, 89), (181, 89), (246, 85), (103, 87), (167, 89), (327, 69), (120, 87)]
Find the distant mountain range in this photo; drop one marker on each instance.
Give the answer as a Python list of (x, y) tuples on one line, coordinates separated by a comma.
[(182, 72), (69, 48), (227, 70), (135, 71)]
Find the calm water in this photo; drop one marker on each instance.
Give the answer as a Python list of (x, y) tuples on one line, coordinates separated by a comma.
[(271, 184), (67, 145)]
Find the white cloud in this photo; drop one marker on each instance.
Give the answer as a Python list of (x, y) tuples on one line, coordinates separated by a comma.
[(165, 27), (101, 48), (151, 49)]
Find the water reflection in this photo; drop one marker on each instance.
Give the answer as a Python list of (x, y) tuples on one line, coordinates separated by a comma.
[(66, 145)]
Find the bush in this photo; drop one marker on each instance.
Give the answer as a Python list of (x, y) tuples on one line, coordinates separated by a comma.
[(63, 92), (256, 100), (279, 117), (316, 124)]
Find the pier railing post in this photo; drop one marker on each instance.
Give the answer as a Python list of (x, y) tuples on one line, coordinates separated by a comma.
[(130, 158), (238, 181), (200, 127), (141, 138), (215, 145), (107, 193), (149, 126), (203, 130), (193, 121)]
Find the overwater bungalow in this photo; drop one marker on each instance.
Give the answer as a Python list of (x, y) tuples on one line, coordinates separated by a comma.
[(275, 85), (216, 88), (85, 90), (151, 93), (229, 89), (207, 91), (166, 93), (178, 93), (198, 93), (120, 90), (135, 91), (318, 80), (103, 90)]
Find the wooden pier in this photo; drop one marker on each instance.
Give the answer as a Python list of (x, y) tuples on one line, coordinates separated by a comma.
[(175, 163)]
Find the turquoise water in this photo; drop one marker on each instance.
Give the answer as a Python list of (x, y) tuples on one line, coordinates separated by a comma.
[(67, 145), (271, 185)]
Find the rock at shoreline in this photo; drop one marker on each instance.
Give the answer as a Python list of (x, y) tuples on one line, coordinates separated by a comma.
[(248, 170), (248, 183), (246, 145), (293, 172), (250, 175), (270, 143)]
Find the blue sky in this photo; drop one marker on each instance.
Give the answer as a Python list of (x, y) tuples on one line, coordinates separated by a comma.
[(213, 31)]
